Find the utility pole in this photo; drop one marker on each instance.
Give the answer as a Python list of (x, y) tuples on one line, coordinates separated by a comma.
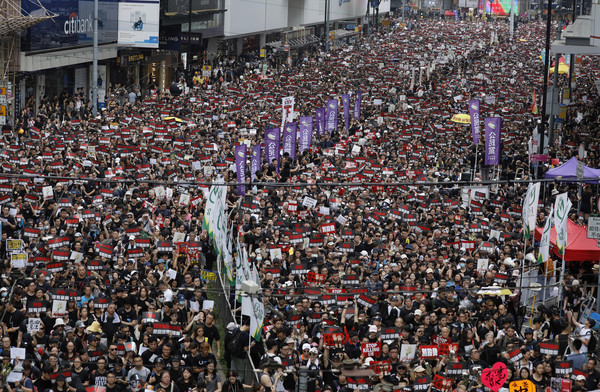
[(95, 63), (546, 66), (188, 78), (327, 25), (554, 93)]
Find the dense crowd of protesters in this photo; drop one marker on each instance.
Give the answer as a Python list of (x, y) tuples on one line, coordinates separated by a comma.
[(114, 288)]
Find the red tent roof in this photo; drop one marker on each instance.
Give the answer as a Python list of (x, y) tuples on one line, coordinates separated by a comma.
[(579, 247)]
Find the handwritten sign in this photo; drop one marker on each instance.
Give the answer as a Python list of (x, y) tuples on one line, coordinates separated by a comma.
[(494, 377), (334, 339), (521, 386), (442, 383), (18, 260)]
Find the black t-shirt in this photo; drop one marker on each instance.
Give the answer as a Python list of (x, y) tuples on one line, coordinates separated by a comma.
[(212, 333), (84, 374), (114, 388)]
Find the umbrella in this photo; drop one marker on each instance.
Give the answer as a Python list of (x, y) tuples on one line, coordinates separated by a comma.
[(461, 118), (562, 69), (494, 290)]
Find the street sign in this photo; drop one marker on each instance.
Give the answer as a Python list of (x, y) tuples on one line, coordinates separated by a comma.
[(579, 171), (593, 229), (262, 53)]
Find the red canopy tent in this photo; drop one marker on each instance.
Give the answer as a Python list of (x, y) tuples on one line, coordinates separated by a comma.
[(579, 247)]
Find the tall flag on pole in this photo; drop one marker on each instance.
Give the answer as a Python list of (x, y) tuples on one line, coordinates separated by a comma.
[(272, 137), (306, 127), (357, 105), (530, 207), (320, 121), (289, 139), (346, 105), (474, 106), (240, 167), (493, 127), (562, 206), (544, 255), (287, 105), (331, 116), (534, 105), (215, 218), (255, 162)]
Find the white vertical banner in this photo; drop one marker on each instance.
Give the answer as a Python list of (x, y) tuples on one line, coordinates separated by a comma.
[(287, 110), (545, 241), (562, 206), (530, 207)]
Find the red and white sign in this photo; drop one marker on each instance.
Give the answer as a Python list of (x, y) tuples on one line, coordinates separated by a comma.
[(429, 352), (371, 349), (327, 228)]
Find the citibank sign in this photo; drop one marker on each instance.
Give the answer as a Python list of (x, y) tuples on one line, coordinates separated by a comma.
[(75, 25)]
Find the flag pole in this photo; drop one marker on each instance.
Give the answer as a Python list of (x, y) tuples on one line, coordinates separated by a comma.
[(562, 278), (476, 158)]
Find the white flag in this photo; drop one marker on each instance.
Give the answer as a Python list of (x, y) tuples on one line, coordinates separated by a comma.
[(562, 206), (545, 242), (530, 207)]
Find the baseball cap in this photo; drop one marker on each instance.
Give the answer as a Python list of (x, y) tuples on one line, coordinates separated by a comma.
[(373, 328), (429, 271), (580, 377)]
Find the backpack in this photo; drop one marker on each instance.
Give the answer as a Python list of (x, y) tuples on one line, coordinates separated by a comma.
[(593, 343), (235, 344)]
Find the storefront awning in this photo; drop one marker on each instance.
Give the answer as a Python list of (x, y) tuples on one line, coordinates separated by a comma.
[(31, 62)]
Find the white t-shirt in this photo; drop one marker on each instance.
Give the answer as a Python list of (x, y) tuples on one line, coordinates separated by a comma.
[(584, 333)]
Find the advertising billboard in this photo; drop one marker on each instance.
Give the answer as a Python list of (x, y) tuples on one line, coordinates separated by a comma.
[(74, 25), (139, 23), (502, 7)]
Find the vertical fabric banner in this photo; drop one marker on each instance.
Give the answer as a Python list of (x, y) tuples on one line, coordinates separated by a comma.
[(562, 206), (346, 105), (272, 137), (240, 166), (320, 120), (474, 105), (357, 105), (289, 139), (493, 126), (255, 162), (331, 116), (530, 207), (545, 242), (287, 107), (306, 127)]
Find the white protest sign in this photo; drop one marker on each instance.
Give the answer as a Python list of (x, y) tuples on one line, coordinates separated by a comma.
[(309, 202)]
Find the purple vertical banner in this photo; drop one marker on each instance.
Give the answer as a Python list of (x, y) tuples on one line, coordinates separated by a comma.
[(346, 104), (331, 116), (474, 105), (320, 120), (306, 128), (255, 162), (493, 126), (290, 132), (357, 105), (240, 167), (272, 136)]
